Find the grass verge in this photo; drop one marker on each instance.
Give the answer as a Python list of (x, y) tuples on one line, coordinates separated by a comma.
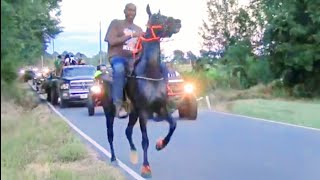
[(261, 102), (37, 144), (299, 113)]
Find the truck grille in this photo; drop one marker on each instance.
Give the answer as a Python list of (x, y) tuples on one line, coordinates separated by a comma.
[(81, 84), (176, 87)]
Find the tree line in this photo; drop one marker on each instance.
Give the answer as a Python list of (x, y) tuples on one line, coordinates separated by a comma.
[(263, 42), (26, 28)]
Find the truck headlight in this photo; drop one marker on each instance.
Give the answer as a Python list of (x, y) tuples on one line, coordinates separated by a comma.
[(38, 74), (64, 86), (45, 70), (96, 89), (188, 88)]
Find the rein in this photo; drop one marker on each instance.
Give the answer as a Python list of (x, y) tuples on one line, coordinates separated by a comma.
[(141, 39), (138, 48)]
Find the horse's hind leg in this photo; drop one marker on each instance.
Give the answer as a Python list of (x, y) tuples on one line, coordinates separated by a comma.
[(133, 117), (172, 126), (109, 122), (146, 171)]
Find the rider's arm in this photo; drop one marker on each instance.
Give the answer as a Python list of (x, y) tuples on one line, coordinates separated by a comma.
[(112, 35)]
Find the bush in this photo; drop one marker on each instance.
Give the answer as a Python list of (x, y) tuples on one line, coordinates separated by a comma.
[(8, 71), (72, 151)]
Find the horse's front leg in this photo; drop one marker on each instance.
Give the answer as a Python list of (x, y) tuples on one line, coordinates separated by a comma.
[(146, 171), (133, 117), (172, 126), (109, 112)]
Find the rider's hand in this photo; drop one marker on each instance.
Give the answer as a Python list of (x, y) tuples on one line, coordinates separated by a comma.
[(127, 35), (137, 34)]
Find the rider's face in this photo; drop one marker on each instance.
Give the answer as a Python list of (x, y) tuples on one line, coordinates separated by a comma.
[(103, 69), (130, 12)]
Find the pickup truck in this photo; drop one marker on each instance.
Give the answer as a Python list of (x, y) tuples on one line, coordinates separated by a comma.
[(71, 86), (182, 98)]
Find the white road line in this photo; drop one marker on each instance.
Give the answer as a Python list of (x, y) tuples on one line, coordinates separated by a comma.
[(267, 120), (98, 146)]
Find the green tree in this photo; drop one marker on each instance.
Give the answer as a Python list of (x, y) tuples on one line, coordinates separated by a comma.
[(178, 56), (26, 28), (217, 31), (292, 39)]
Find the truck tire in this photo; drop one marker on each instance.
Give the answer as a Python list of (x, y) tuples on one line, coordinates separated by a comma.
[(90, 105), (48, 91), (63, 103), (54, 97), (189, 108)]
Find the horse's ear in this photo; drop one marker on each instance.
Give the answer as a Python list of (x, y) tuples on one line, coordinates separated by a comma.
[(148, 10)]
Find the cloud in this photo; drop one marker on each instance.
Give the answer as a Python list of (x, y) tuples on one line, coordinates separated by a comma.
[(84, 42), (81, 19), (85, 37)]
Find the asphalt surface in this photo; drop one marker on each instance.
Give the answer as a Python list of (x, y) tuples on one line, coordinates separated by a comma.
[(214, 147)]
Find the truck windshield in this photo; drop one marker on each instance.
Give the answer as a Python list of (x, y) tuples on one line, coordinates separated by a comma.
[(83, 71)]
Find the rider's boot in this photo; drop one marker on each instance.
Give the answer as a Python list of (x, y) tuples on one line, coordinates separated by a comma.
[(121, 112)]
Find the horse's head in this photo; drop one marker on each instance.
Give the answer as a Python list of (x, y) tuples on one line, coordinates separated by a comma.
[(161, 25)]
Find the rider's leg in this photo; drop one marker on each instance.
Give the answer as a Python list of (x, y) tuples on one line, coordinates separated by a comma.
[(118, 65)]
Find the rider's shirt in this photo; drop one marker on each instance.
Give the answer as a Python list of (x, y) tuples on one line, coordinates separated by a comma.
[(130, 44), (116, 30)]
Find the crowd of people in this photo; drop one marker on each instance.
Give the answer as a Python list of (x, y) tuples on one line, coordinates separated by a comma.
[(67, 60)]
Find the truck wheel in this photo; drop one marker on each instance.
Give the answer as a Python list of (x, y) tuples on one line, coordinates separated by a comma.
[(63, 103), (54, 97), (182, 109), (189, 108), (90, 105), (48, 91)]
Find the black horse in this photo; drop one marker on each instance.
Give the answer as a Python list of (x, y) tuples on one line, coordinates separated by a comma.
[(146, 88)]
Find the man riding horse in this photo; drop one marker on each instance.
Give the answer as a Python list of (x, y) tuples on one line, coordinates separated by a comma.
[(146, 85), (122, 36), (119, 33)]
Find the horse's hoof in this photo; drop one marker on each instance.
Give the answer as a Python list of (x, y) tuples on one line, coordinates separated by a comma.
[(115, 164), (146, 172), (160, 144), (134, 157), (113, 159)]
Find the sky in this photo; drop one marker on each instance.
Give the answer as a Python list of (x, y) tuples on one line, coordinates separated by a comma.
[(80, 20)]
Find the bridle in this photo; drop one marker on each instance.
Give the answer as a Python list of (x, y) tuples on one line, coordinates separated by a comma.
[(138, 47)]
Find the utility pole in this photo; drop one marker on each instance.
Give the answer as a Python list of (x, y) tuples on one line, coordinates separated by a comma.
[(100, 42), (54, 57), (41, 61)]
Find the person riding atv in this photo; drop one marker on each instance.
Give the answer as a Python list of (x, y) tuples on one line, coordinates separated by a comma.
[(101, 70), (97, 91)]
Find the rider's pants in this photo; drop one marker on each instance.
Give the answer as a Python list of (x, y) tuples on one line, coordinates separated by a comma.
[(120, 65)]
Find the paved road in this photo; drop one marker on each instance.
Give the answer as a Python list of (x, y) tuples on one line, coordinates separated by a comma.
[(215, 147)]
